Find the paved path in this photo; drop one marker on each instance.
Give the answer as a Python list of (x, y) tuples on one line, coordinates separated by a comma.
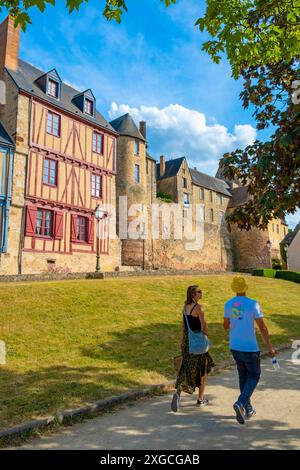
[(149, 424)]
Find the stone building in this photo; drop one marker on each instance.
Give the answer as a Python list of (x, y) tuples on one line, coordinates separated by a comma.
[(254, 248), (136, 182), (64, 167), (6, 169), (207, 198), (292, 243)]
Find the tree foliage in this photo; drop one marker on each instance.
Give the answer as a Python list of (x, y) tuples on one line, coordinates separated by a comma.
[(261, 39), (20, 9)]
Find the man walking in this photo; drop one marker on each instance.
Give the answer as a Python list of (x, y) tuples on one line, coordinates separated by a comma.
[(240, 315)]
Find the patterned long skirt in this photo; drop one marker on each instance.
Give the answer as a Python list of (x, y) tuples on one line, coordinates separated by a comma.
[(193, 368)]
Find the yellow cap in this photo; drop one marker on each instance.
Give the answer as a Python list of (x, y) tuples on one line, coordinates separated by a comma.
[(239, 285)]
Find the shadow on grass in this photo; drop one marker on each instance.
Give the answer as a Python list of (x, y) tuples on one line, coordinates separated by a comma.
[(35, 394)]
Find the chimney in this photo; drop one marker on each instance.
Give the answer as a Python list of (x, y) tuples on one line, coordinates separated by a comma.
[(162, 167), (143, 129), (9, 45)]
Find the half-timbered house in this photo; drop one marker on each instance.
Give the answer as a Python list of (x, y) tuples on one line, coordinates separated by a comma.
[(65, 166)]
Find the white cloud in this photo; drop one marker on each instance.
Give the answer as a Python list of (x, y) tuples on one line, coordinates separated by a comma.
[(176, 131)]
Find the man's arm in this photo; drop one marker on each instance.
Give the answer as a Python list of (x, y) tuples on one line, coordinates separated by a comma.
[(265, 334)]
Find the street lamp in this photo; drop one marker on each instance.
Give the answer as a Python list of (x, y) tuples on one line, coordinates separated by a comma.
[(269, 246), (100, 214)]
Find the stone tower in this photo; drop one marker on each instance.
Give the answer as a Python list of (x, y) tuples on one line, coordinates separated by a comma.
[(136, 180)]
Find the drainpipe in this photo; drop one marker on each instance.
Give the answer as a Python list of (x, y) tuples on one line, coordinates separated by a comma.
[(20, 256)]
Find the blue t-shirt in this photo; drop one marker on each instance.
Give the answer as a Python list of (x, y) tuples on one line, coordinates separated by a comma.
[(242, 312)]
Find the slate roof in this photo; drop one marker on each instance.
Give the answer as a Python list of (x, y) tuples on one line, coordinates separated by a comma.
[(4, 137), (125, 125), (240, 197), (25, 79), (210, 182), (291, 235), (149, 157), (172, 168)]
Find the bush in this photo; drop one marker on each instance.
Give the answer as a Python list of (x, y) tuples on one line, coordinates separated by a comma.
[(278, 274), (164, 197), (288, 276), (276, 264), (271, 273)]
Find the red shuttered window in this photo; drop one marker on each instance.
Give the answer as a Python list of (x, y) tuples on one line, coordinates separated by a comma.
[(82, 229), (30, 221), (44, 223), (59, 226), (91, 231)]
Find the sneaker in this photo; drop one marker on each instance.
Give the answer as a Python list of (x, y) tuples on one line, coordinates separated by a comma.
[(250, 413), (175, 402), (203, 402), (240, 412)]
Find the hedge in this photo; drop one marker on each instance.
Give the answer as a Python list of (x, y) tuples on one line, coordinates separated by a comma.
[(265, 273), (288, 276), (278, 274)]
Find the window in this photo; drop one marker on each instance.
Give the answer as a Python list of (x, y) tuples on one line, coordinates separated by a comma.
[(184, 183), (96, 185), (273, 227), (202, 193), (136, 147), (211, 196), (88, 106), (97, 142), (81, 229), (277, 229), (222, 217), (202, 213), (43, 223), (137, 173), (53, 88), (147, 166), (212, 215), (219, 199), (186, 199), (53, 123), (50, 172)]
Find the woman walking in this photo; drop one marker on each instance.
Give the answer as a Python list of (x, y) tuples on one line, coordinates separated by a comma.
[(195, 367)]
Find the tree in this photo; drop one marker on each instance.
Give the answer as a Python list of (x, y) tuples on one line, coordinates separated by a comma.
[(20, 9), (261, 39)]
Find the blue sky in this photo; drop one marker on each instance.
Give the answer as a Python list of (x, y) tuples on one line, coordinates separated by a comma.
[(152, 66)]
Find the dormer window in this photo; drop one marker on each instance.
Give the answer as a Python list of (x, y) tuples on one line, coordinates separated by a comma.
[(88, 107), (86, 102), (53, 87), (50, 83)]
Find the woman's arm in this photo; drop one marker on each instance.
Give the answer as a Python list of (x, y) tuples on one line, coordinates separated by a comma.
[(204, 326)]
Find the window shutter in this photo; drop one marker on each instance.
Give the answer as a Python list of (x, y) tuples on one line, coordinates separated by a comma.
[(91, 229), (30, 221), (73, 228), (59, 226)]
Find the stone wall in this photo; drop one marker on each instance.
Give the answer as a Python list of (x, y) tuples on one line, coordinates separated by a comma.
[(15, 117), (250, 249)]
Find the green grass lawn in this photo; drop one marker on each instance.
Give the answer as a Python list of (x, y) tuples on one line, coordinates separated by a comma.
[(73, 342)]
